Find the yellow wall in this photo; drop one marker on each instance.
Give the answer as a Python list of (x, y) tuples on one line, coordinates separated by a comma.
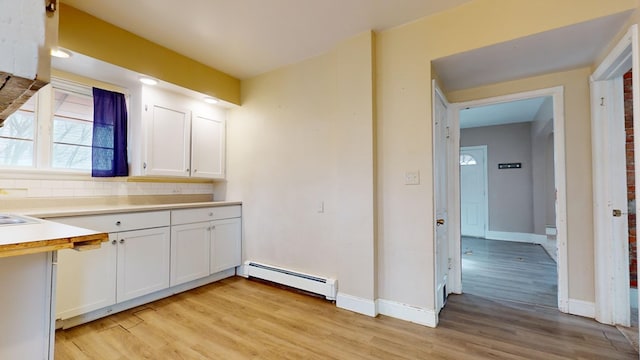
[(303, 136), (88, 35), (404, 55)]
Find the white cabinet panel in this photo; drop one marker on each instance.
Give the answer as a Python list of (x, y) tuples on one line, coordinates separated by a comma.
[(143, 262), (168, 139), (26, 305), (86, 280), (207, 147), (119, 222), (186, 216), (189, 252), (226, 239)]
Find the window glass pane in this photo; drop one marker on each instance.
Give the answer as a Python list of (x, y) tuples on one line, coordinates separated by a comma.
[(466, 159), (16, 152), (17, 136), (71, 157), (72, 130)]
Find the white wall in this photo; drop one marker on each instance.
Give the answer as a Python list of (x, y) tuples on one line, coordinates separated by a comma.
[(303, 139)]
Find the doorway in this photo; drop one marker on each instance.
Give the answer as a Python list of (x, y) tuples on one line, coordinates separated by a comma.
[(557, 111)]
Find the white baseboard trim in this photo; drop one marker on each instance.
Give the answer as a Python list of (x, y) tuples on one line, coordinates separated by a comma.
[(356, 304), (426, 317), (582, 308), (516, 236), (242, 271)]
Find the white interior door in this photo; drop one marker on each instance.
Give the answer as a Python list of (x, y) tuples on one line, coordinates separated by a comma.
[(441, 190), (609, 178), (473, 191)]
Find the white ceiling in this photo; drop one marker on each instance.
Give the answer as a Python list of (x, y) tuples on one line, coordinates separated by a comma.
[(556, 50), (245, 38), (499, 114)]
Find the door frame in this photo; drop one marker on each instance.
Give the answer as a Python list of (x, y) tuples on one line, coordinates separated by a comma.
[(485, 203), (612, 262), (557, 94)]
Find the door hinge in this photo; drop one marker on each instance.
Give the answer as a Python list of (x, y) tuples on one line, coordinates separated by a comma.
[(144, 165), (602, 101), (447, 132), (450, 264)]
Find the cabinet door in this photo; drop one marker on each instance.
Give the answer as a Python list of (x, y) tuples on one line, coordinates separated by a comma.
[(86, 280), (168, 140), (190, 252), (226, 239), (207, 147), (143, 262)]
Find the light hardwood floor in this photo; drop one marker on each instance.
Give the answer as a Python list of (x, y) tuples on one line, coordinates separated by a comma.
[(509, 270), (244, 319)]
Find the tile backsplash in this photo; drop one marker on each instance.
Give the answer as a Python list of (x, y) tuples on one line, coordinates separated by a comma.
[(29, 188)]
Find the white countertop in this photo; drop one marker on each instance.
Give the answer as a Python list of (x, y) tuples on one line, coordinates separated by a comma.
[(113, 209)]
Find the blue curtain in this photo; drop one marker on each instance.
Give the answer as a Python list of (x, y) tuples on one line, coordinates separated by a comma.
[(109, 146)]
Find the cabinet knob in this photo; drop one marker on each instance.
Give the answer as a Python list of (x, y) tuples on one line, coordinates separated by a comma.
[(187, 170), (121, 241), (213, 227), (210, 214), (118, 223), (113, 242), (209, 228), (195, 170)]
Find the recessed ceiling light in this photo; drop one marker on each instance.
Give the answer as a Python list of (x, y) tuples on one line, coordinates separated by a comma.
[(60, 53), (148, 81), (210, 100)]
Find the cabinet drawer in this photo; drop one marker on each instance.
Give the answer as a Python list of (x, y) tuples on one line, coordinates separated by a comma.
[(186, 216), (118, 222)]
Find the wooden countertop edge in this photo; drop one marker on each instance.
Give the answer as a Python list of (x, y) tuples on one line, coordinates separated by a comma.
[(33, 247)]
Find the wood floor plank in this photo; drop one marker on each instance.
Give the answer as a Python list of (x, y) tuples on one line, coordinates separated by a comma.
[(509, 270), (243, 319)]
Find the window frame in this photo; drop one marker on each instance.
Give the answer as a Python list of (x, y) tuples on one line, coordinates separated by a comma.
[(43, 137)]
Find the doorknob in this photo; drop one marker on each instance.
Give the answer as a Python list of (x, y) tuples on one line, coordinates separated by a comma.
[(617, 213), (439, 222)]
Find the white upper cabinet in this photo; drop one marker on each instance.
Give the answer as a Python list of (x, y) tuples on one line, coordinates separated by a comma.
[(168, 133), (207, 146), (183, 137)]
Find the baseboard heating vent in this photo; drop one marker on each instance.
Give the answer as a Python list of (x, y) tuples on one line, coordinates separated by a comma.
[(315, 284)]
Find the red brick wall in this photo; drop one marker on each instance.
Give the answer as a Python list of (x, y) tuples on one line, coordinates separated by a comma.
[(631, 187)]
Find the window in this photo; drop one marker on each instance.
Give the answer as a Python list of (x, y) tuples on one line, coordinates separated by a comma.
[(72, 130), (17, 137), (466, 159), (52, 131)]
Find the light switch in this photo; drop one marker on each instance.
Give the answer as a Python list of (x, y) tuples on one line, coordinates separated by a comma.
[(412, 178)]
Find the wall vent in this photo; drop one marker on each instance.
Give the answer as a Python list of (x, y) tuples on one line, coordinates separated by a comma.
[(311, 283)]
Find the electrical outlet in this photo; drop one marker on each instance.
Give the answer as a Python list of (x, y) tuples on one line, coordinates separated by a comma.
[(412, 178)]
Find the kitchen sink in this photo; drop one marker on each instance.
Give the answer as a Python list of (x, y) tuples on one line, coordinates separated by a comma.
[(8, 219)]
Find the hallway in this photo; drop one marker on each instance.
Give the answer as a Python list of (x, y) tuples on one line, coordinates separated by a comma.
[(507, 270)]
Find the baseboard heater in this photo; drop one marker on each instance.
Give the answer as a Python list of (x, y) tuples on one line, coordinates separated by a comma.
[(315, 284)]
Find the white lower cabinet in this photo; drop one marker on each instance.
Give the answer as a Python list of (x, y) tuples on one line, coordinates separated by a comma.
[(143, 262), (226, 251), (174, 248), (133, 263), (86, 279), (204, 241), (190, 245)]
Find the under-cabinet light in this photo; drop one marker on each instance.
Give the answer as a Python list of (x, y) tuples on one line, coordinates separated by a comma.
[(148, 81), (210, 100), (60, 53)]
